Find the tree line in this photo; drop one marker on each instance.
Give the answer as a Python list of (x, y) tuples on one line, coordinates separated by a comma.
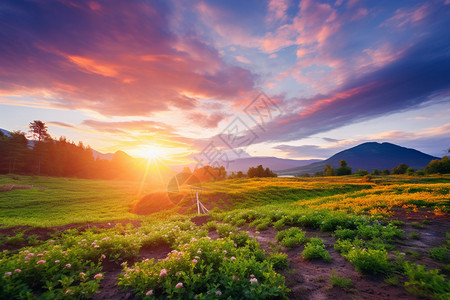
[(441, 166), (44, 155)]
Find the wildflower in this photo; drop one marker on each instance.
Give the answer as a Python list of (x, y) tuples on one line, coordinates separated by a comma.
[(96, 246), (149, 293), (179, 285), (41, 262), (7, 274), (103, 256), (17, 271), (233, 258), (225, 251), (40, 255), (68, 265), (57, 261), (98, 276), (218, 293), (253, 280), (68, 291), (51, 241), (199, 251), (163, 273), (82, 274), (194, 261), (252, 276), (225, 258)]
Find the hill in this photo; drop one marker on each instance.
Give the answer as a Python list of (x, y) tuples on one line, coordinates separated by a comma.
[(273, 163), (5, 132), (368, 156)]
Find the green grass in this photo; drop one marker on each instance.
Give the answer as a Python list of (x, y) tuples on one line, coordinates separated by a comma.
[(58, 201)]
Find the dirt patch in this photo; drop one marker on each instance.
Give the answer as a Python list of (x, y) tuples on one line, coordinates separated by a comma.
[(159, 252), (11, 187), (200, 220), (108, 286), (311, 279)]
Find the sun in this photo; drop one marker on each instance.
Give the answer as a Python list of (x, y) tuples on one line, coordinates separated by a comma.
[(150, 152)]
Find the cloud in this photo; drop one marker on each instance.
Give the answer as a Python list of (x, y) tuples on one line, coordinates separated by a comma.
[(276, 11), (129, 126), (306, 151), (409, 15), (208, 121), (118, 59), (420, 77), (60, 124)]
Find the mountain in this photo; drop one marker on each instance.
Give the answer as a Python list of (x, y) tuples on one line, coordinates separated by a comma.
[(107, 156), (369, 156), (273, 163), (5, 132)]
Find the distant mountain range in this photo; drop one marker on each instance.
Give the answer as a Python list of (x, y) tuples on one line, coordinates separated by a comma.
[(99, 155), (368, 156), (273, 163)]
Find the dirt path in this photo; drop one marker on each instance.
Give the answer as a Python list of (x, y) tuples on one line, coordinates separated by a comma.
[(311, 279)]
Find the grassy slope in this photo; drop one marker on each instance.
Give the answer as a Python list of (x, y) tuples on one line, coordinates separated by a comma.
[(59, 201)]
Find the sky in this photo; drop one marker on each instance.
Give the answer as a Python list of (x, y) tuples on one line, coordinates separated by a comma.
[(214, 80)]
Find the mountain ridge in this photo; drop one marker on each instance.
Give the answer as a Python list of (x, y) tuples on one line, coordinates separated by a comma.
[(368, 156)]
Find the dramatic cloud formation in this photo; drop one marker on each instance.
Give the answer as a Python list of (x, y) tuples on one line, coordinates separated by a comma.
[(115, 57), (178, 73)]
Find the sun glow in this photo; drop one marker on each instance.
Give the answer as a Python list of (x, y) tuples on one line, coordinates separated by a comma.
[(150, 152)]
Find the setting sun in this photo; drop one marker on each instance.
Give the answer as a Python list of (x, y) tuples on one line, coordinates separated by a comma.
[(149, 152)]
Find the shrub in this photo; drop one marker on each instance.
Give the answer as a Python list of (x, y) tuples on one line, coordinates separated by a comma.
[(205, 267), (225, 230), (291, 238), (414, 235), (316, 249), (361, 172), (279, 260), (441, 254), (346, 234), (424, 283), (240, 238), (210, 226), (369, 261), (340, 281)]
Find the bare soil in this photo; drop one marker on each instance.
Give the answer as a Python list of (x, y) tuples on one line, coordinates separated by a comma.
[(306, 279)]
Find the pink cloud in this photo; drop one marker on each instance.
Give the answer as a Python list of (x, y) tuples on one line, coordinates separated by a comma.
[(408, 15), (277, 11), (120, 59), (208, 121)]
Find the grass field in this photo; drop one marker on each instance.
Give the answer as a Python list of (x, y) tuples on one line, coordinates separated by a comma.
[(330, 237)]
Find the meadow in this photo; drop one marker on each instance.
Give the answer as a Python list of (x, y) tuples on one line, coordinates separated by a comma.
[(345, 237)]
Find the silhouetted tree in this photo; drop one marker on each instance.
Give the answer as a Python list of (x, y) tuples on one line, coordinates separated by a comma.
[(329, 171), (385, 172), (375, 172), (259, 171), (362, 172), (39, 130), (400, 169), (441, 166), (14, 152), (343, 169)]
